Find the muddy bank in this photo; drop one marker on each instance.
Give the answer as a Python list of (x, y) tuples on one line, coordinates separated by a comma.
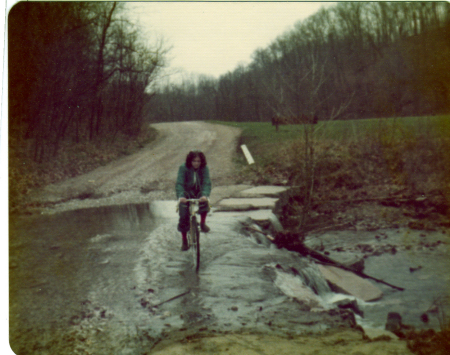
[(342, 342), (385, 206)]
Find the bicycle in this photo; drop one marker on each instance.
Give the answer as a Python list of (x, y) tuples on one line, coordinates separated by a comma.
[(193, 234)]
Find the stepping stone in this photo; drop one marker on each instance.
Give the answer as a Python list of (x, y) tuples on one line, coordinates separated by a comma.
[(220, 192), (343, 281), (245, 204), (260, 191), (348, 259), (258, 215)]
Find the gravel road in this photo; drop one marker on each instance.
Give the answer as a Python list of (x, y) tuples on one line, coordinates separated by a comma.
[(150, 174)]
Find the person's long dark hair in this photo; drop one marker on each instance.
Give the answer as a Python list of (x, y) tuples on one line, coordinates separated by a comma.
[(194, 154)]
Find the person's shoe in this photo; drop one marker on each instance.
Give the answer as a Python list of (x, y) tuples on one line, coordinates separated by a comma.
[(184, 246), (204, 228)]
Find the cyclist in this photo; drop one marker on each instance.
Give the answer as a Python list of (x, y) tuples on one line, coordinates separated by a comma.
[(193, 181)]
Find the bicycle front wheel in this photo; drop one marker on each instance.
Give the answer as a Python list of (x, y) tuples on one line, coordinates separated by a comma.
[(195, 235)]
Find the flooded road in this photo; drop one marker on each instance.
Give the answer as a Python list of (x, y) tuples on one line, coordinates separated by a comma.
[(103, 278), (63, 265), (92, 280)]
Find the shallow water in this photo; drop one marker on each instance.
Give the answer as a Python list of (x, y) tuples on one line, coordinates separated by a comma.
[(56, 261), (426, 252), (422, 287), (110, 275)]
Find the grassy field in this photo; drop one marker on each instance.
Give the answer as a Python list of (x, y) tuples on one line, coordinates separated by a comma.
[(409, 149), (261, 133), (358, 160)]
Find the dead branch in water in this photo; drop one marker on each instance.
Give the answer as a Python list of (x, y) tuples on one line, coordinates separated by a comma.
[(171, 299), (323, 259)]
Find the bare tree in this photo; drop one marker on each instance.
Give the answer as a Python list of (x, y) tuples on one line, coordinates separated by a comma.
[(313, 79), (63, 59)]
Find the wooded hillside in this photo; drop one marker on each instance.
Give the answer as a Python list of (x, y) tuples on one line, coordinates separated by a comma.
[(353, 60)]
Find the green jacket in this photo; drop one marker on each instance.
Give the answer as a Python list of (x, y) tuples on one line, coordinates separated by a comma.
[(186, 187)]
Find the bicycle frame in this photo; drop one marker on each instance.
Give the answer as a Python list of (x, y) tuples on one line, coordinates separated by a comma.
[(194, 232)]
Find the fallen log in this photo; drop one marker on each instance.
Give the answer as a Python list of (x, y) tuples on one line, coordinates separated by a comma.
[(347, 282)]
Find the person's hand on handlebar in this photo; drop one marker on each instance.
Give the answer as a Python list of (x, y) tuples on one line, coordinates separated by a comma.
[(201, 199)]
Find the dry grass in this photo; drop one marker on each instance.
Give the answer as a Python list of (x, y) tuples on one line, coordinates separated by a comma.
[(393, 161)]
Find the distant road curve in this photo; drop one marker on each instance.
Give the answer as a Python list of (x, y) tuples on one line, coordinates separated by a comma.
[(153, 168)]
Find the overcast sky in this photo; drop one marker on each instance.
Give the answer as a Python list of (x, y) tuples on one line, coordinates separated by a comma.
[(213, 38)]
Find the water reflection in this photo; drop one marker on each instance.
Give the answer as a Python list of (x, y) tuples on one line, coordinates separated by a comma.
[(124, 217), (55, 260), (422, 287)]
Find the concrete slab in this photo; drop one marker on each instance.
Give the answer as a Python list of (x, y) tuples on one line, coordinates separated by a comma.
[(263, 191), (243, 204), (348, 259), (293, 286), (258, 215), (220, 192), (347, 282)]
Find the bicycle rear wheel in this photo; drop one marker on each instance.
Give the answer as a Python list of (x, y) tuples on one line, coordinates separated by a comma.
[(195, 240)]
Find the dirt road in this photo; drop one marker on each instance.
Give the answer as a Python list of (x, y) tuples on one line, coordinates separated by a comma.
[(149, 174)]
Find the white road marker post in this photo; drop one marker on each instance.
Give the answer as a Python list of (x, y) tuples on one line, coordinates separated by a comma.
[(247, 154)]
